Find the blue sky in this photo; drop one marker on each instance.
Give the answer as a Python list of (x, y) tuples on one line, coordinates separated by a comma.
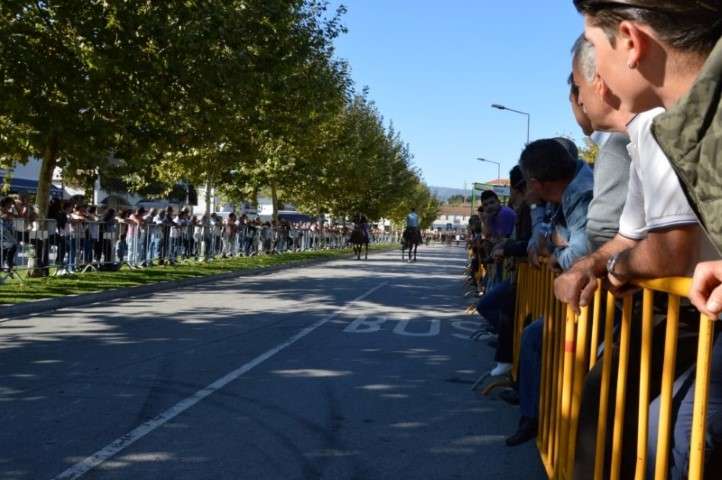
[(434, 68)]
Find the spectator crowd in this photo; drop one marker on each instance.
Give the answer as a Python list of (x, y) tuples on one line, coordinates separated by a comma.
[(76, 236), (645, 87)]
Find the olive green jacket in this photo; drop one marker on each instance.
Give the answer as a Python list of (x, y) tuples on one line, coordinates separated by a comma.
[(690, 134)]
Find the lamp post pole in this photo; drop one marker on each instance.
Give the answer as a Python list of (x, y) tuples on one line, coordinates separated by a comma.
[(528, 117), (473, 200)]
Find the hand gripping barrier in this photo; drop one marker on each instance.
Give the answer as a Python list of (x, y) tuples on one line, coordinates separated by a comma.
[(571, 349)]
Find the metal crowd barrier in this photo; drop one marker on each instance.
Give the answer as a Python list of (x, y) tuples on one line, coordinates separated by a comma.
[(40, 248), (570, 350), (25, 245)]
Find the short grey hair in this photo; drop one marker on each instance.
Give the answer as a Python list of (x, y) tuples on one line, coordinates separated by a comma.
[(584, 57)]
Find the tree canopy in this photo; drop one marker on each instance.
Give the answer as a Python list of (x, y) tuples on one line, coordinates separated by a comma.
[(240, 95)]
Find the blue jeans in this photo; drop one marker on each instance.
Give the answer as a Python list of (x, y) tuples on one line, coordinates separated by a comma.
[(530, 358), (683, 397), (87, 250), (153, 249), (140, 248), (500, 298), (121, 250), (72, 253)]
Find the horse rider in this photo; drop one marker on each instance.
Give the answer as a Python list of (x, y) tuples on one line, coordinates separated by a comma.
[(412, 224)]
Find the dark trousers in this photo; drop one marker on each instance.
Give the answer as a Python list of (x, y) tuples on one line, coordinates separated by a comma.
[(164, 250), (497, 307), (42, 252), (107, 249), (681, 409), (62, 248), (498, 300), (682, 415), (474, 265), (530, 358), (8, 257), (505, 341)]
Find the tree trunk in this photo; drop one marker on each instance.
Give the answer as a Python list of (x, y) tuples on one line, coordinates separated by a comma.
[(50, 158), (96, 190), (254, 199), (208, 197), (274, 201)]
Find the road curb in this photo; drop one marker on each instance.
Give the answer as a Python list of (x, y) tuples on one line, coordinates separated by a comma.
[(10, 312)]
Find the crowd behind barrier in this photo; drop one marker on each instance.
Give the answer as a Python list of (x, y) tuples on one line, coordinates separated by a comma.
[(605, 328), (573, 346), (628, 435), (80, 239), (590, 282), (597, 412)]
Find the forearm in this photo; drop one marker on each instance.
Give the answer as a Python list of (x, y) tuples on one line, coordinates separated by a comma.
[(662, 254), (576, 286), (597, 260), (575, 249)]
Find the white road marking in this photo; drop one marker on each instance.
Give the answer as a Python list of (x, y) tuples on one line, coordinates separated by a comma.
[(364, 325), (121, 443), (401, 328)]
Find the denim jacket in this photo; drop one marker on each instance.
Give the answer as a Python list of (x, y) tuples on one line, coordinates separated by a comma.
[(572, 217), (541, 214)]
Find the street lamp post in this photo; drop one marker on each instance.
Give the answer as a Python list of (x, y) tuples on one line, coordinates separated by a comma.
[(498, 166), (528, 117)]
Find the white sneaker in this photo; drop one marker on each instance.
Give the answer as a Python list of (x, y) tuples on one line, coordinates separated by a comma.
[(501, 369)]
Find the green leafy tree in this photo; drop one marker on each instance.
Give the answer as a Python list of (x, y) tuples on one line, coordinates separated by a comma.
[(363, 167), (589, 151), (299, 87), (240, 95)]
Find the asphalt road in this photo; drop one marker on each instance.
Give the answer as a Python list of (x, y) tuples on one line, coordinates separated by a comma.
[(345, 370)]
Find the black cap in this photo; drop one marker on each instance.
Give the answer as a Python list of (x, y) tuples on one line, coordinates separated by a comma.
[(516, 178)]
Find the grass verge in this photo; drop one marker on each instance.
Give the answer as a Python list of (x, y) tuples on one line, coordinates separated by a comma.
[(28, 289)]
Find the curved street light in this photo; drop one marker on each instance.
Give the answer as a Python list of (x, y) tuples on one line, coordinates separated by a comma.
[(498, 166), (528, 116)]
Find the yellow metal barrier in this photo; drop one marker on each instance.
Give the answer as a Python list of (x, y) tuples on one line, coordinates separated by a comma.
[(569, 351)]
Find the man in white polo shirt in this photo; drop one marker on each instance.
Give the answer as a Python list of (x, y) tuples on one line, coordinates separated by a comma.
[(656, 225), (659, 236)]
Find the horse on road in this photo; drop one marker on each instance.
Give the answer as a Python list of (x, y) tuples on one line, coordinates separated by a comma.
[(360, 237), (411, 239)]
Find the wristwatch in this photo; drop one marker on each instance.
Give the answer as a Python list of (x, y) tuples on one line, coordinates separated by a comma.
[(612, 262)]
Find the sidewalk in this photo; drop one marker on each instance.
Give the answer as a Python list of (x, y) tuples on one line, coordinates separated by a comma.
[(9, 311)]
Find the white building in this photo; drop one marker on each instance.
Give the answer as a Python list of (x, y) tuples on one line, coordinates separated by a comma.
[(453, 217)]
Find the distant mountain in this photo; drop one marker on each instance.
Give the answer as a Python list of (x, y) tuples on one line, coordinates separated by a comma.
[(443, 193)]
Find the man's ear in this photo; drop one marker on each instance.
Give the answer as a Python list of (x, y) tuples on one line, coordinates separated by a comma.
[(633, 42), (600, 88)]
